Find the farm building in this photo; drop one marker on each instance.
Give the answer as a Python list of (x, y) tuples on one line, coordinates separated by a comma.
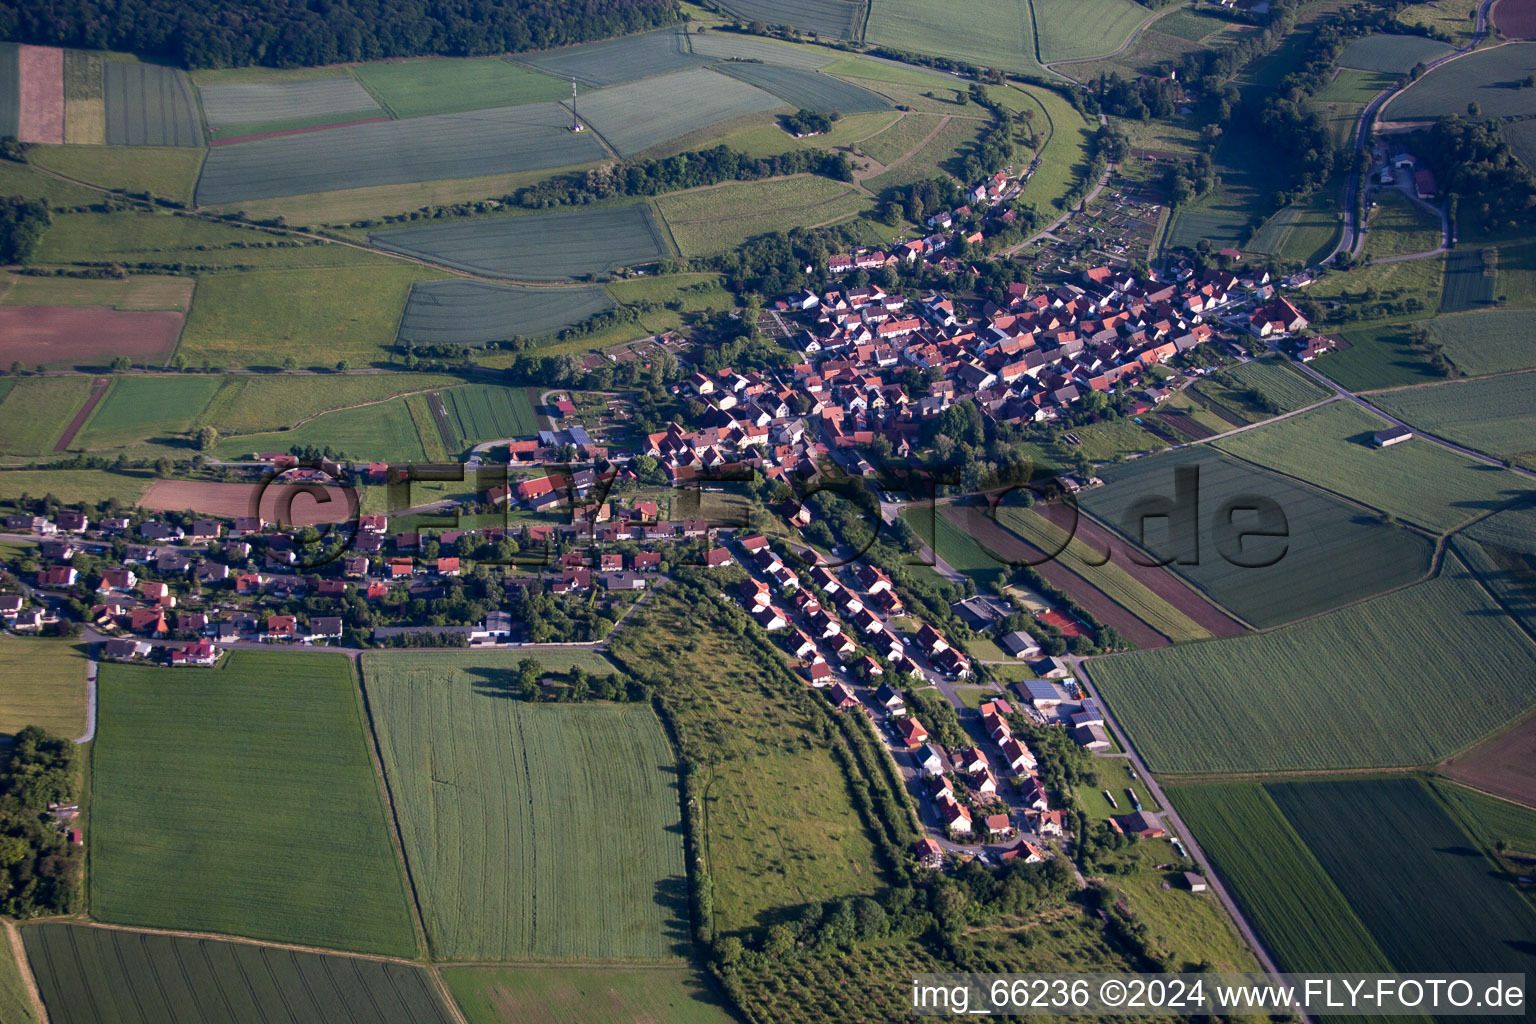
[(1019, 644), (1387, 438), (1195, 882)]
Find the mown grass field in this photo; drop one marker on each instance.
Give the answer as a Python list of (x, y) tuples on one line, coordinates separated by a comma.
[(1074, 29), (166, 171), (956, 547), (450, 85), (138, 408), (1300, 914), (1502, 551), (15, 1002), (74, 486), (1354, 827), (1496, 415), (1487, 342), (934, 159), (105, 976), (251, 403), (1065, 156), (807, 90), (989, 35), (242, 799), (45, 685), (1330, 447), (22, 179), (509, 812), (902, 137), (712, 220), (260, 318), (1399, 226), (1304, 232), (236, 109), (779, 826), (381, 431), (585, 995), (1468, 283), (37, 409), (1117, 584), (1316, 695), (138, 292), (1329, 553)]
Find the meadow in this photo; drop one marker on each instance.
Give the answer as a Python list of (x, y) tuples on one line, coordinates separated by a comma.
[(74, 486), (487, 412), (45, 685), (476, 313), (271, 824), (779, 825), (1077, 29), (23, 179), (837, 19), (150, 105), (380, 431), (985, 34), (15, 1003), (108, 976), (138, 292), (534, 136), (451, 85), (1400, 226), (1383, 356), (138, 408), (1396, 54), (317, 100), (540, 246), (36, 411), (1487, 342), (614, 61), (251, 403), (1354, 827), (902, 137), (934, 159), (807, 90), (1417, 480), (509, 812), (1363, 687), (1064, 156), (956, 547), (1329, 553), (260, 318), (638, 115), (165, 171), (160, 238), (1489, 819), (1299, 913), (1303, 232), (1496, 415), (1482, 78), (712, 220), (585, 995), (726, 45), (1468, 284)]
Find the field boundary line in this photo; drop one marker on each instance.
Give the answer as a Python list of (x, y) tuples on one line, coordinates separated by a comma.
[(24, 966), (612, 151), (244, 940), (446, 994), (376, 756), (1449, 380), (665, 227)]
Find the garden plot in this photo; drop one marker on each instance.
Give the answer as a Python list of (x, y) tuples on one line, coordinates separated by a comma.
[(807, 90), (537, 247), (150, 105), (633, 118), (475, 313), (262, 102), (482, 142), (612, 61)]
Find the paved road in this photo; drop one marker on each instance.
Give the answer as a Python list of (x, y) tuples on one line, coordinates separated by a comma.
[(90, 702)]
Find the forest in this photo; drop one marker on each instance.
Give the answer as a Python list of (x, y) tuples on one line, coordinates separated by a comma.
[(296, 33), (39, 869)]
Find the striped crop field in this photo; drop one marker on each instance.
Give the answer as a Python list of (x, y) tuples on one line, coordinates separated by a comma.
[(1496, 415), (487, 412), (613, 61), (93, 975), (533, 830), (836, 19), (807, 90), (477, 313), (636, 116), (1280, 382)]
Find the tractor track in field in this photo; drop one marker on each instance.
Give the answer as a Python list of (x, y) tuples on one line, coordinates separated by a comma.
[(440, 417)]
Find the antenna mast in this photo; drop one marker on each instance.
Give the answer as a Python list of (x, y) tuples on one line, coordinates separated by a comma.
[(576, 125)]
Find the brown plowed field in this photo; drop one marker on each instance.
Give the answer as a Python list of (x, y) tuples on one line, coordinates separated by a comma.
[(1505, 765), (42, 94), (1007, 545), (231, 500), (1515, 18), (1184, 422), (85, 335), (1154, 577)]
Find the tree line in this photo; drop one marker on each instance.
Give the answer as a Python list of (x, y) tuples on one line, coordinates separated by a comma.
[(294, 33), (40, 870)]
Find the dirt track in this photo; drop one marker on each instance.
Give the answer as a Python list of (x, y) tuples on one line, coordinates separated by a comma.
[(98, 389), (1007, 545), (1154, 577)]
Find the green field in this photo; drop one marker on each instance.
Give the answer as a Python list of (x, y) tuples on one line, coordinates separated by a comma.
[(901, 138), (725, 45), (150, 105), (162, 238), (382, 431), (1075, 29), (712, 220), (1330, 553), (476, 312), (1299, 913), (45, 685), (1488, 341), (836, 19), (1468, 283), (1319, 695), (1501, 549), (488, 412), (509, 812), (956, 547), (1357, 827), (1489, 819), (251, 403), (585, 995), (636, 116), (1399, 226), (36, 411), (1483, 78), (1521, 136), (779, 826), (936, 157), (1417, 480), (1303, 232), (165, 171), (612, 61), (260, 318), (1378, 357), (1397, 54), (807, 90), (1117, 584), (107, 976), (138, 292), (75, 486), (1280, 382), (987, 34), (251, 108), (540, 246), (141, 408), (1065, 155), (242, 799), (15, 1003), (22, 179), (1496, 415), (451, 85)]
